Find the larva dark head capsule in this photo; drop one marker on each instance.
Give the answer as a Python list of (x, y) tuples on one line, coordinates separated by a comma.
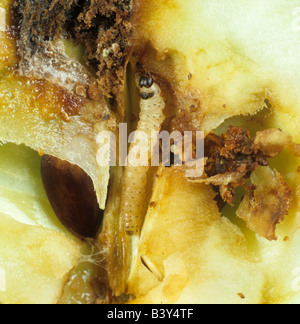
[(145, 95), (150, 82), (146, 81), (143, 81)]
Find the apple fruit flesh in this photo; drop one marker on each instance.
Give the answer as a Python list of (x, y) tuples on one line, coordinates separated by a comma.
[(224, 57), (43, 268), (190, 252), (41, 262), (215, 61), (221, 59), (37, 253)]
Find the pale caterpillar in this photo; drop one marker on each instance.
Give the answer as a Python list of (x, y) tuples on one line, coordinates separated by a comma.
[(133, 197)]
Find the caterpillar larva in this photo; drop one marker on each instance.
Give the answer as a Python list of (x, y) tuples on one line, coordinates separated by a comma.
[(133, 199)]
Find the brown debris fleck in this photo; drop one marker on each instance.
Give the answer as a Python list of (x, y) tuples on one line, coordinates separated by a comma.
[(241, 295), (232, 154)]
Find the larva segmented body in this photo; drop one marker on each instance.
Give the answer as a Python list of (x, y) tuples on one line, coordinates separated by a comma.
[(133, 199)]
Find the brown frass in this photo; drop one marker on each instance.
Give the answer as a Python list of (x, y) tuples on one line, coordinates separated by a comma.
[(102, 26), (105, 28), (232, 152)]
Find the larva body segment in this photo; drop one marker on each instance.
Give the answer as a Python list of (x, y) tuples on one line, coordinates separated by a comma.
[(133, 203), (133, 199)]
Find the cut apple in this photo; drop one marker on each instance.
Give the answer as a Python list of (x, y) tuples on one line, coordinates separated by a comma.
[(214, 64), (37, 253)]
